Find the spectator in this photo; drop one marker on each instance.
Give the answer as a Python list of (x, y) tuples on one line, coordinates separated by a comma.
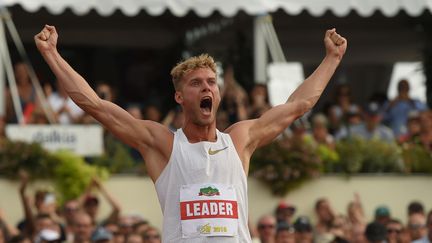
[(375, 233), (26, 93), (151, 235), (48, 236), (426, 129), (394, 230), (397, 110), (413, 125), (259, 102), (303, 230), (415, 207), (113, 228), (101, 235), (70, 209), (140, 227), (341, 229), (285, 233), (134, 238), (320, 132), (325, 217), (83, 228), (235, 98), (152, 113), (91, 203), (267, 229), (372, 128), (417, 227), (356, 219), (285, 212), (382, 215), (66, 111)]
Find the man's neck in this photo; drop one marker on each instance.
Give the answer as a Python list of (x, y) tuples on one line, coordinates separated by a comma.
[(196, 133)]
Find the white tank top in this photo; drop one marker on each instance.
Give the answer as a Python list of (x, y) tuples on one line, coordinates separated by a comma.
[(201, 164)]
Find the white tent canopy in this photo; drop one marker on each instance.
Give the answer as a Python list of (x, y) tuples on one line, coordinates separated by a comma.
[(204, 8)]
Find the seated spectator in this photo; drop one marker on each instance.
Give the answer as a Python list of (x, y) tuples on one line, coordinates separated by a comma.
[(320, 132), (397, 110), (426, 129), (285, 233), (303, 230), (372, 127), (413, 127)]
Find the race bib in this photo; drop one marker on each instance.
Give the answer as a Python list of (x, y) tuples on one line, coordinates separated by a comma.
[(208, 210)]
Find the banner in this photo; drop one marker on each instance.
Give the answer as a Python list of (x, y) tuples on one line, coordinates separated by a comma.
[(85, 140)]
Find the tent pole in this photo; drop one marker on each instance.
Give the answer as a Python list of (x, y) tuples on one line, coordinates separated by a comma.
[(260, 52), (4, 52)]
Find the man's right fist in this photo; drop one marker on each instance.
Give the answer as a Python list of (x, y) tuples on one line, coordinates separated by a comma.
[(46, 40)]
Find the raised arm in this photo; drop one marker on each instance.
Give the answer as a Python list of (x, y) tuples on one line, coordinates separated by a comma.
[(249, 135), (142, 135)]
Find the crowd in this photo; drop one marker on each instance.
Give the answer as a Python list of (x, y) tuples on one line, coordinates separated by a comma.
[(78, 221), (401, 120)]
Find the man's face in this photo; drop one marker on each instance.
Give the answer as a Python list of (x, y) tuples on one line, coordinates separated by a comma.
[(199, 96), (82, 227), (417, 226), (267, 229), (393, 232)]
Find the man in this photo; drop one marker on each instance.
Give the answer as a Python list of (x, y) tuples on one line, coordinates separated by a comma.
[(303, 230), (417, 227), (199, 172), (83, 228), (285, 233), (285, 212), (267, 229), (382, 215)]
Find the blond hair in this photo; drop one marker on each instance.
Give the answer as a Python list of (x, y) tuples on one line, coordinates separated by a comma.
[(190, 64)]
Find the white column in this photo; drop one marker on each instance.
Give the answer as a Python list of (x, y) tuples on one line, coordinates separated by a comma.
[(260, 52)]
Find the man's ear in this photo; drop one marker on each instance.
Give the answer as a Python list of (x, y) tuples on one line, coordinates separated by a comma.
[(178, 96)]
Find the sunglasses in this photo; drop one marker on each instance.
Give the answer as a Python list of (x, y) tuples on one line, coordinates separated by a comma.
[(266, 226)]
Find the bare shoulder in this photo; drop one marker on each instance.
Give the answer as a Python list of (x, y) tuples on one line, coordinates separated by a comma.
[(160, 137), (240, 131)]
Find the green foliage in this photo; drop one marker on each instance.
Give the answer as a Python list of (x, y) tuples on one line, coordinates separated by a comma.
[(72, 175), (68, 171), (284, 170), (30, 157), (368, 156), (417, 159)]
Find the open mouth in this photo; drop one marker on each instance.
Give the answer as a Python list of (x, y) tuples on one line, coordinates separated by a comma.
[(206, 104)]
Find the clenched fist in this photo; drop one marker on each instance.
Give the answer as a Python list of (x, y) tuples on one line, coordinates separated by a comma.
[(46, 40), (335, 44)]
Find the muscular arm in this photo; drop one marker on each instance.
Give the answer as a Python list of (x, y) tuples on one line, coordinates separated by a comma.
[(142, 135), (252, 134)]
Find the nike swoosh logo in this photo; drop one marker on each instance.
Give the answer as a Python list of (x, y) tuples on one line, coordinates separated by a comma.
[(213, 152)]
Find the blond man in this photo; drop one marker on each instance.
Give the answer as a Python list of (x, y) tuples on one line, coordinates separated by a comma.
[(199, 172)]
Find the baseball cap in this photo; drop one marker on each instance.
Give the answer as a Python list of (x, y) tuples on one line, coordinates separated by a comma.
[(91, 200), (101, 234), (302, 224), (373, 109), (382, 211), (285, 205)]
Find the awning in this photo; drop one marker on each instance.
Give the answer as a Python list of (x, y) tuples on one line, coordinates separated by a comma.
[(227, 8)]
